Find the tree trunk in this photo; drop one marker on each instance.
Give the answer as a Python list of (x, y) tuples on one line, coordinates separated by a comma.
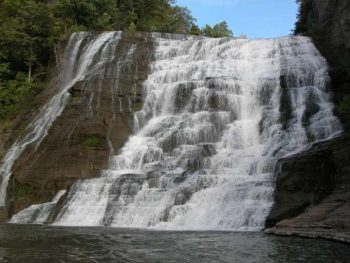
[(30, 73), (30, 65)]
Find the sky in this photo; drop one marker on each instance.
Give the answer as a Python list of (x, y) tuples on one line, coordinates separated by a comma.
[(254, 18)]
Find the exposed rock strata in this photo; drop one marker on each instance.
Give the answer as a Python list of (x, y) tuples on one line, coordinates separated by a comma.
[(95, 122), (313, 193), (313, 188), (329, 24)]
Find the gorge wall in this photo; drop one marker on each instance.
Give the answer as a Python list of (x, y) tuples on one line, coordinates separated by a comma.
[(313, 190), (96, 120), (328, 23)]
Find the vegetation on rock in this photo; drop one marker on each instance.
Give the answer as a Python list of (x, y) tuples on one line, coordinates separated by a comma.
[(21, 191), (91, 141)]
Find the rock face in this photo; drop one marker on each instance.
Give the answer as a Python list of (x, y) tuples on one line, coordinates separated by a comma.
[(313, 193), (313, 188), (331, 19), (95, 122), (329, 25)]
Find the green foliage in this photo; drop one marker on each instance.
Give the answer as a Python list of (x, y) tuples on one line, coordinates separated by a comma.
[(305, 23), (195, 30), (132, 27), (22, 191), (179, 21), (25, 29), (88, 15), (302, 23), (14, 94), (91, 141), (219, 30), (25, 48), (155, 15), (138, 106)]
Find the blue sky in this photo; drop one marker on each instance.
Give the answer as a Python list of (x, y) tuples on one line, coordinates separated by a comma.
[(255, 18)]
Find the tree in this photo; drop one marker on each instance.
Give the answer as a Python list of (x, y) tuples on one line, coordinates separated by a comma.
[(154, 15), (25, 29), (24, 33), (180, 20), (219, 30), (195, 30), (302, 23), (4, 68), (87, 14), (132, 27), (14, 94)]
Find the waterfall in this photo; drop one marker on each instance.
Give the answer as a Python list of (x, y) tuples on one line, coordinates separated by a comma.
[(86, 55), (38, 214), (216, 117)]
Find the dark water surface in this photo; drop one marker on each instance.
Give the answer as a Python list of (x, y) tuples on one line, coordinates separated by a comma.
[(28, 243)]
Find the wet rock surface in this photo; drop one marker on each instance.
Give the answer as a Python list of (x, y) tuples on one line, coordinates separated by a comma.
[(312, 195), (95, 122), (313, 188), (330, 21)]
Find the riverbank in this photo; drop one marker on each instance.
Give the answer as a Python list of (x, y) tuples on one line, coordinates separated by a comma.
[(340, 236)]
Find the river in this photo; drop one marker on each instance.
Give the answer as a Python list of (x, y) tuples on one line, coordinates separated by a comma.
[(38, 243)]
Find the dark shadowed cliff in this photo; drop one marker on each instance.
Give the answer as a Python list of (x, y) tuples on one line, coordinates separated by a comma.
[(313, 188)]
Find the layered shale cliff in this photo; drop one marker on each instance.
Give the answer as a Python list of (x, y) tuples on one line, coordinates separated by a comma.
[(312, 189), (96, 120), (328, 23)]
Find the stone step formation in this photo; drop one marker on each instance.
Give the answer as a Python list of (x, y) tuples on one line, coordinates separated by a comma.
[(215, 117)]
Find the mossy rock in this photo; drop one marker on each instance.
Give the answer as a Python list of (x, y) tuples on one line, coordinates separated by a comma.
[(91, 141), (22, 191), (138, 106), (343, 111), (75, 99), (21, 195)]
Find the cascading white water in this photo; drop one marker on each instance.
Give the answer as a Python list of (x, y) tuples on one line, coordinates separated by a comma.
[(217, 115), (86, 55), (38, 213)]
